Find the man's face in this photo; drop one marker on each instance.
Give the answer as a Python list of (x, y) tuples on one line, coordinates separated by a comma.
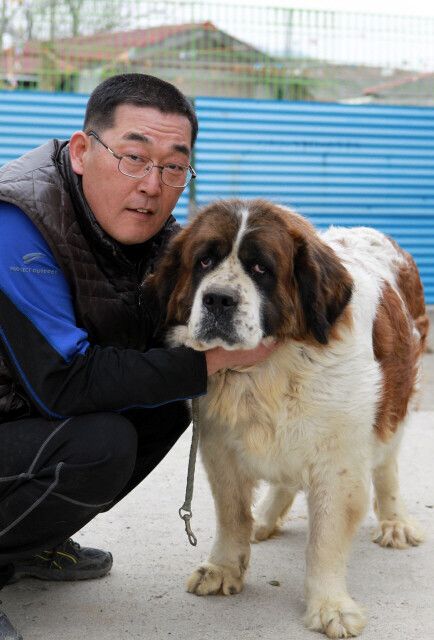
[(132, 210)]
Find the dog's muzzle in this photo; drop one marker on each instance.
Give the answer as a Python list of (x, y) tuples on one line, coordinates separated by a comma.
[(217, 322)]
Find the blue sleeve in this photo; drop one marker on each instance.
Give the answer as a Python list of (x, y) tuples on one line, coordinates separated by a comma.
[(61, 372), (32, 280)]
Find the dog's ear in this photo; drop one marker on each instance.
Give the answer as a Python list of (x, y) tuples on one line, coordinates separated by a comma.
[(158, 287), (324, 285)]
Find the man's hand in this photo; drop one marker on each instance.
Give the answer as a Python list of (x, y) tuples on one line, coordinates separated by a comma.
[(218, 358)]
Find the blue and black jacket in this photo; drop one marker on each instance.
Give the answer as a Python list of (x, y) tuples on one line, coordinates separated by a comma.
[(75, 337)]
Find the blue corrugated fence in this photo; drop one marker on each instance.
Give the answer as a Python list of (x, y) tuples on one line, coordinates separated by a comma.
[(335, 164)]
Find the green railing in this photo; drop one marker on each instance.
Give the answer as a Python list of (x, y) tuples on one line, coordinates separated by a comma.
[(213, 49)]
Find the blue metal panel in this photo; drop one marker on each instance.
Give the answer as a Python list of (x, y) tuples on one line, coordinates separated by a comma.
[(28, 119), (335, 164)]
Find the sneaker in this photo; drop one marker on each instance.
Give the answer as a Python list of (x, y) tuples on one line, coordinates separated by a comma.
[(7, 629), (65, 562)]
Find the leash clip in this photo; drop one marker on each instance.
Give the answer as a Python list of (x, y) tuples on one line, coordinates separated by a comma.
[(187, 517)]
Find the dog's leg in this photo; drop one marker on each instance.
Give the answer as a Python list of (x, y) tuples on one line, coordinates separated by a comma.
[(230, 554), (395, 527), (338, 499), (274, 504)]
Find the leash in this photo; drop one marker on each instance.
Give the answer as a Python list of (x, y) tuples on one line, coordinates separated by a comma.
[(190, 475)]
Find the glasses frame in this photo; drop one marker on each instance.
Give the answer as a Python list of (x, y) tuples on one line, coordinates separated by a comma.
[(118, 157)]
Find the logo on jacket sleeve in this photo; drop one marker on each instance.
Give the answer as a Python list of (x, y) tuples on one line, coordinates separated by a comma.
[(29, 257)]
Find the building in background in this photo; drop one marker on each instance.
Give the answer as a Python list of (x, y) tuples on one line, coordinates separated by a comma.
[(199, 58), (220, 51)]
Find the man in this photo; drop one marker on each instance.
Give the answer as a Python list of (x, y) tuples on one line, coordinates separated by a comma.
[(89, 403)]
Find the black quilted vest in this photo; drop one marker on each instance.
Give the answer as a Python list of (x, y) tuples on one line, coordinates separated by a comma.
[(104, 283)]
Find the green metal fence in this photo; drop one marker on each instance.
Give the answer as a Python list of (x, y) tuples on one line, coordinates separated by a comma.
[(220, 50)]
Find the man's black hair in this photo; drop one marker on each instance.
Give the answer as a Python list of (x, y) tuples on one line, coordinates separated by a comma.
[(138, 89)]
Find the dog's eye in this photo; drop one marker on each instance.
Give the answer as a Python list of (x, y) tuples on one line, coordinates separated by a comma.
[(259, 268), (205, 263)]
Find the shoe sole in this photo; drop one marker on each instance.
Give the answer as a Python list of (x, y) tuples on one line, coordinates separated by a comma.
[(58, 576)]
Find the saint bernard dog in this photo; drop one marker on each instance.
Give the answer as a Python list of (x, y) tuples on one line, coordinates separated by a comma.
[(325, 412)]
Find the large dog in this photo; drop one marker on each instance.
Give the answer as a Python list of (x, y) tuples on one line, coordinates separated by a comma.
[(325, 412)]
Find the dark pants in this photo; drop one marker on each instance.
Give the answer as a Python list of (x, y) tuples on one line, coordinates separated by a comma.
[(55, 476)]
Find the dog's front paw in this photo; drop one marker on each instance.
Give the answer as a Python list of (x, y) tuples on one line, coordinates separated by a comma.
[(210, 579), (337, 618), (398, 534)]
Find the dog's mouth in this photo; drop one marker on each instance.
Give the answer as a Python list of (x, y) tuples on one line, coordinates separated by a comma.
[(180, 335), (210, 333), (217, 336)]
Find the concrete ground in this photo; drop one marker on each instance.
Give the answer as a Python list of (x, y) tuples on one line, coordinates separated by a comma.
[(144, 597)]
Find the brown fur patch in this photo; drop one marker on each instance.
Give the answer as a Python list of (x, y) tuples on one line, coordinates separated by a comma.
[(314, 287), (411, 289), (398, 351)]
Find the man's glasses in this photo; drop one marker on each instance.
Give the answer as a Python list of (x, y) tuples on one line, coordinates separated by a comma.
[(173, 175)]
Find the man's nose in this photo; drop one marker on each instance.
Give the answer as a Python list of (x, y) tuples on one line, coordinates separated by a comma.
[(151, 183)]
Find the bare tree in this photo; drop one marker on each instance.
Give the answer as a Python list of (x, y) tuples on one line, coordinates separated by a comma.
[(53, 19), (8, 10), (40, 18), (3, 21), (75, 9)]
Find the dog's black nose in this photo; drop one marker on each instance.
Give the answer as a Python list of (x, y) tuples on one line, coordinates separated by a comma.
[(219, 302)]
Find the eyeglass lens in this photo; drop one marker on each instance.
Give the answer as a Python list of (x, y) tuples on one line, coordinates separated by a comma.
[(173, 175)]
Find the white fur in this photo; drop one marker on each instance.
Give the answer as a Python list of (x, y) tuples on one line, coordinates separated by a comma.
[(229, 275), (302, 420)]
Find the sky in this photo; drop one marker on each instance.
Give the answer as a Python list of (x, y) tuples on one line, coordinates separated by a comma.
[(388, 7), (404, 41)]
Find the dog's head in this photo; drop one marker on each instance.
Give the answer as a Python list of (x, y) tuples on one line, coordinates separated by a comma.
[(245, 270)]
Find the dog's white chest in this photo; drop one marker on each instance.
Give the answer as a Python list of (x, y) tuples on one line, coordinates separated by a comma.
[(278, 424)]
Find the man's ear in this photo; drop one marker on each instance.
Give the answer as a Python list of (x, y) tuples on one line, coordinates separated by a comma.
[(79, 144)]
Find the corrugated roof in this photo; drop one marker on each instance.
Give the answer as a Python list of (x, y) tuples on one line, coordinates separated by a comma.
[(79, 52)]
